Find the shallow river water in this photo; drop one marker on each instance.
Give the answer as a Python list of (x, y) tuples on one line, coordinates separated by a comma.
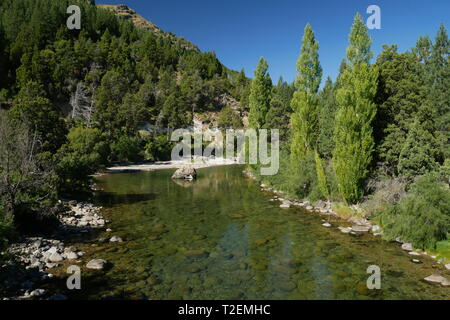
[(221, 238)]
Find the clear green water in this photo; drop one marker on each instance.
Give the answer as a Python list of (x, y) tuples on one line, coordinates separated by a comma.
[(221, 238)]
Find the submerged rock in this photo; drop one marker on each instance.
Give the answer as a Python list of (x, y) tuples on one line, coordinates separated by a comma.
[(407, 247), (196, 253), (345, 230), (187, 173), (96, 264), (286, 204), (359, 228), (437, 278), (116, 239)]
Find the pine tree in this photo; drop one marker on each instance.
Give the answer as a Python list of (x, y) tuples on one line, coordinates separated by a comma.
[(305, 116), (423, 49), (260, 95), (353, 135)]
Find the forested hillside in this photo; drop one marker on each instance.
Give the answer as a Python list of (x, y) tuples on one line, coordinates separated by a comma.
[(74, 101)]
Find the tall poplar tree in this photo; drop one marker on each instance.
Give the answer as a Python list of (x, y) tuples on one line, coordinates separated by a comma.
[(354, 143), (305, 116), (440, 85), (327, 96), (260, 95)]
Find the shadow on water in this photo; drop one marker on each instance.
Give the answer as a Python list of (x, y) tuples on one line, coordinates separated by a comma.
[(109, 199)]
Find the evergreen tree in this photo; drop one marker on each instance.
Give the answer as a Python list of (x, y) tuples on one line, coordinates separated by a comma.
[(260, 95), (280, 110), (353, 134), (111, 92), (419, 152), (43, 121), (402, 100), (423, 49), (305, 116)]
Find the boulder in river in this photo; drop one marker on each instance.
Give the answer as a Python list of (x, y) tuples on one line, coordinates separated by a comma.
[(187, 173)]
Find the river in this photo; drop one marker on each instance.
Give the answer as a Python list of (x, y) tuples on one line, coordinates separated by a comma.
[(220, 237)]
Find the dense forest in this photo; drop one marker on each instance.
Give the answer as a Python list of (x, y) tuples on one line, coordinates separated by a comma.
[(75, 101), (376, 141)]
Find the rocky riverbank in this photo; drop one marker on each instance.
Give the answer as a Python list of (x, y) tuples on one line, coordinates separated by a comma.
[(357, 226), (37, 255)]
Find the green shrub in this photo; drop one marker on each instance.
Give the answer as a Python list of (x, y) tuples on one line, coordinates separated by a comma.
[(387, 192), (229, 119), (299, 181), (83, 155), (126, 149), (422, 218), (157, 148)]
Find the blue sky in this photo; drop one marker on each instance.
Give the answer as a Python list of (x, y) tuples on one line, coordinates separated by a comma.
[(241, 31)]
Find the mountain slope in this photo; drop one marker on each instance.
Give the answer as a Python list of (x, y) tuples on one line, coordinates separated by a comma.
[(126, 13)]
